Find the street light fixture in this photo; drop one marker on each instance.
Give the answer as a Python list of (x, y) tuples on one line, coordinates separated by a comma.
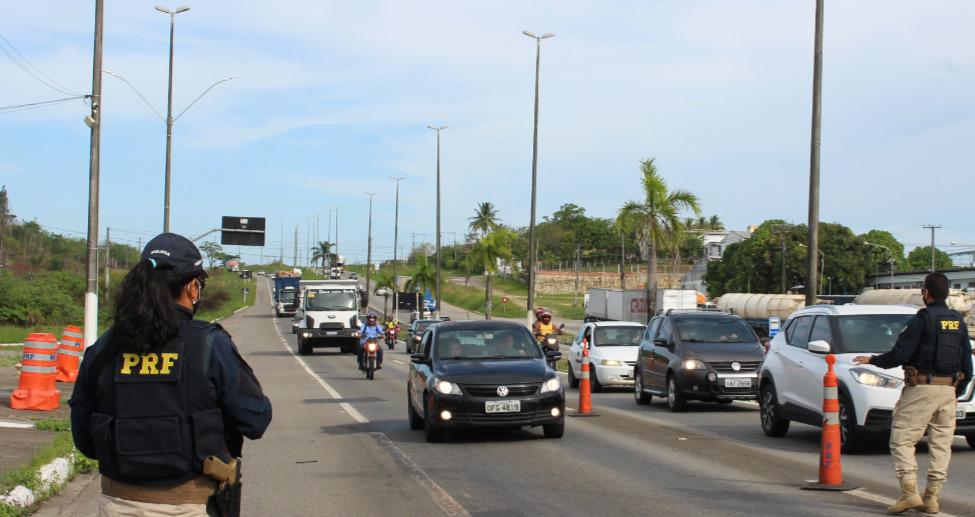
[(169, 112), (890, 260), (397, 179), (438, 130), (532, 246)]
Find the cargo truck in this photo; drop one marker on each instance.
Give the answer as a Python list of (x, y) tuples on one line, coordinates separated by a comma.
[(631, 304), (328, 316), (285, 295)]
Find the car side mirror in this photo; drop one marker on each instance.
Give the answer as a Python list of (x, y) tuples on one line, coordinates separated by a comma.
[(419, 359), (818, 347), (553, 354), (663, 342), (765, 340)]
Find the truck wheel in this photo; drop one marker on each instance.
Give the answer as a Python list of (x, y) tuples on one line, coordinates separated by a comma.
[(304, 348)]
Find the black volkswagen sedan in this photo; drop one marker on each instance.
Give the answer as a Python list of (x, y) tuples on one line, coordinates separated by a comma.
[(482, 373)]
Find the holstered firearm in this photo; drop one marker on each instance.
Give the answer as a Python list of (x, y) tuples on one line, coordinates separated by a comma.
[(910, 375), (226, 501)]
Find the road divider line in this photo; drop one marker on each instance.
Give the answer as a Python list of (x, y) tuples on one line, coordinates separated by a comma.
[(353, 412), (445, 501)]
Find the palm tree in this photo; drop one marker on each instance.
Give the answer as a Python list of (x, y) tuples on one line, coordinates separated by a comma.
[(322, 252), (424, 276), (493, 247), (656, 219), (715, 223), (485, 219), (384, 280)]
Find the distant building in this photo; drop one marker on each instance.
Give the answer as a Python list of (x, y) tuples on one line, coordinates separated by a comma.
[(958, 278), (715, 244)]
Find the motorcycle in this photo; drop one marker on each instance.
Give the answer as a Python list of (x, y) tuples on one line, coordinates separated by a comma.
[(391, 336), (550, 343), (370, 357)]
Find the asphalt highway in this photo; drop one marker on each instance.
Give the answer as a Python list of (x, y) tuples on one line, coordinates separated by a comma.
[(340, 443)]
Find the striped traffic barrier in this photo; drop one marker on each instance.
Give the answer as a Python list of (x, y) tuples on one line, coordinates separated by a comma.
[(830, 468), (69, 353), (585, 395), (37, 390)]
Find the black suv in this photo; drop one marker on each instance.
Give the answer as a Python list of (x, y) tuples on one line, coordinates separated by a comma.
[(698, 355)]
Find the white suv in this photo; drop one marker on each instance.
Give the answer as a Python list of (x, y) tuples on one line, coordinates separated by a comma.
[(791, 379)]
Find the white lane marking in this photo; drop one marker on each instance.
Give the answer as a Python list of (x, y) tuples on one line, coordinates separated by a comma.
[(353, 412), (448, 504), (874, 498), (16, 425), (397, 361)]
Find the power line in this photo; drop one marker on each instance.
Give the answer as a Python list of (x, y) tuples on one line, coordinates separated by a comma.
[(42, 77), (33, 105)]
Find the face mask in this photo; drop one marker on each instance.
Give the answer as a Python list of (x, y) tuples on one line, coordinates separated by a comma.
[(196, 303)]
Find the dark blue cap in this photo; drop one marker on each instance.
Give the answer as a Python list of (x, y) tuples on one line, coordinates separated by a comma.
[(168, 251)]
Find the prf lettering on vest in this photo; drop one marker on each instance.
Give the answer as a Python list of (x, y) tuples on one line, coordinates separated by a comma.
[(950, 324), (149, 364)]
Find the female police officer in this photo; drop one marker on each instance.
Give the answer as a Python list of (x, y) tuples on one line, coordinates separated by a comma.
[(161, 398)]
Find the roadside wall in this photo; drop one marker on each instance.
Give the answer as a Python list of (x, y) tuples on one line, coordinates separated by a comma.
[(564, 282)]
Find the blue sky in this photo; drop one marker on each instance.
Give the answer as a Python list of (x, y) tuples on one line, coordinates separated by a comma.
[(335, 97)]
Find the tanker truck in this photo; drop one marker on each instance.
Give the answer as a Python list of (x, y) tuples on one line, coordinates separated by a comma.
[(756, 309), (957, 300)]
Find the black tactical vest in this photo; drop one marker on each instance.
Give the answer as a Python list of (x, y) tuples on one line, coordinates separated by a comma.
[(157, 417), (941, 348)]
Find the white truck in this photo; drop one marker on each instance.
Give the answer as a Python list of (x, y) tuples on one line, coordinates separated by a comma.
[(328, 316), (631, 304)]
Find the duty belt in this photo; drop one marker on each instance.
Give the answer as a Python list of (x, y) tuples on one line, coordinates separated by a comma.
[(936, 381), (195, 491)]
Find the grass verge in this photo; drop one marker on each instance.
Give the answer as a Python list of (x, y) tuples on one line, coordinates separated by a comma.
[(16, 334), (61, 446), (223, 295)]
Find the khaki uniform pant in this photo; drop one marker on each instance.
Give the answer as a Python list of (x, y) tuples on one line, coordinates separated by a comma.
[(920, 408), (115, 507)]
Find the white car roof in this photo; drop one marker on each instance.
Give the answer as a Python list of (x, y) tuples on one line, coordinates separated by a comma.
[(616, 324), (853, 309)]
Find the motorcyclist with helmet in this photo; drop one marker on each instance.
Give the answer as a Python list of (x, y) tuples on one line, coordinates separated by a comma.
[(370, 331), (544, 326)]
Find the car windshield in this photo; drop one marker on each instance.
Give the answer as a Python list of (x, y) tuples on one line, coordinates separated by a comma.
[(320, 300), (618, 336), (714, 330), (869, 333), (483, 344)]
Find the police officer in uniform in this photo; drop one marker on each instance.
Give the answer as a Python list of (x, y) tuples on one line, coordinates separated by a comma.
[(937, 358), (163, 401)]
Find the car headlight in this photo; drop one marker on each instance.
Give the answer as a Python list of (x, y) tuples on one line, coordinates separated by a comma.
[(694, 364), (611, 362), (447, 388), (356, 333), (553, 384), (870, 378)]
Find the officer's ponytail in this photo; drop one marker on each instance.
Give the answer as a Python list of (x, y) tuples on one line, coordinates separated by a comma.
[(145, 310)]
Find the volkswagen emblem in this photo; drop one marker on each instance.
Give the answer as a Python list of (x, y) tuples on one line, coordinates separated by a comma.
[(502, 391), (736, 366)]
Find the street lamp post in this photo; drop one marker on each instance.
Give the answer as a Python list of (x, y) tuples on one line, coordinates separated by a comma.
[(397, 179), (890, 260), (532, 247), (437, 283), (369, 251), (169, 110)]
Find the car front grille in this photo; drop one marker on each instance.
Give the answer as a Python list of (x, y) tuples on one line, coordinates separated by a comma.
[(498, 418), (331, 326), (491, 391), (745, 366)]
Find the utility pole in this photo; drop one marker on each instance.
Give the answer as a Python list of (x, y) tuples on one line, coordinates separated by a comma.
[(282, 245), (622, 261), (397, 179), (437, 283), (94, 122), (575, 298), (296, 246), (932, 227), (108, 258), (369, 289), (169, 111), (337, 232), (532, 247), (812, 264)]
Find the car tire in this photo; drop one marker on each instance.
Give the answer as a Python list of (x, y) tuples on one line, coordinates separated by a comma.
[(573, 380), (594, 384), (850, 440), (971, 440), (642, 397), (431, 431), (416, 421), (304, 348), (675, 399), (554, 430), (772, 422)]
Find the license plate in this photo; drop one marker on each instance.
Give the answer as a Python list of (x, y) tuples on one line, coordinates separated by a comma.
[(502, 406), (737, 383), (331, 333), (960, 414)]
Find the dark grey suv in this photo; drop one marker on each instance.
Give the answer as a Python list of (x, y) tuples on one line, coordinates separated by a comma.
[(699, 355)]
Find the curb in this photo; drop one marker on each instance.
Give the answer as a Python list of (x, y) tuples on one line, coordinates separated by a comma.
[(52, 474), (11, 344)]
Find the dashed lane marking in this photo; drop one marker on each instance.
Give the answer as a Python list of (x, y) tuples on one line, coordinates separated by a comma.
[(397, 361), (448, 504)]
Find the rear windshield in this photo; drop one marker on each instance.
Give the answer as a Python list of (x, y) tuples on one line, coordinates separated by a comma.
[(618, 336), (870, 333), (714, 330), (486, 344)]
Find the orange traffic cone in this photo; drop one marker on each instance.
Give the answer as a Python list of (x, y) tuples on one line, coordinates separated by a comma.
[(830, 469), (37, 390), (585, 397), (69, 353)]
